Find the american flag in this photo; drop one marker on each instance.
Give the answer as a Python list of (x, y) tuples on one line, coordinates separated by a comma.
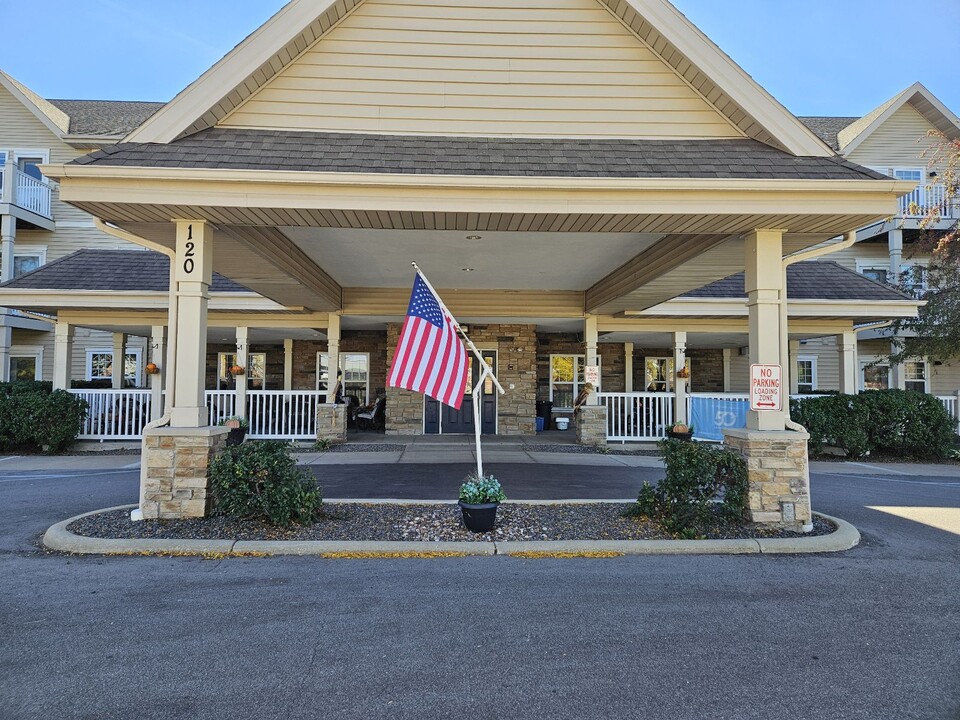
[(430, 358)]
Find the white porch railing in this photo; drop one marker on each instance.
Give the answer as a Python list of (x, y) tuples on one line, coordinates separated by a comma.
[(925, 198), (637, 416), (25, 191), (952, 404), (221, 404), (115, 414), (283, 414)]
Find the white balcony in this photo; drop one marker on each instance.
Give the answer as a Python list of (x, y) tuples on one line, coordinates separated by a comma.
[(926, 198), (26, 197)]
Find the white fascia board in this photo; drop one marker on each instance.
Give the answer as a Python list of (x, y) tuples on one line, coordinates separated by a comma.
[(724, 307)]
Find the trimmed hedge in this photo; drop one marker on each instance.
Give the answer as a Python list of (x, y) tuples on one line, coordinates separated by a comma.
[(896, 422), (703, 484), (260, 480), (34, 417)]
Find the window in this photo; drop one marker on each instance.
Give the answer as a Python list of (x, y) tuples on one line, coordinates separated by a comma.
[(100, 365), (566, 380), (806, 374), (356, 374), (659, 373), (914, 279), (880, 273), (26, 362), (22, 264), (28, 164), (915, 174), (874, 375), (255, 372), (915, 376)]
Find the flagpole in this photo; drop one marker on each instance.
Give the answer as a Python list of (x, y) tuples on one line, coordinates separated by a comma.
[(485, 371)]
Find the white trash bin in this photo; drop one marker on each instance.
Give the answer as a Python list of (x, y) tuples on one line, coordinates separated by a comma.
[(562, 423)]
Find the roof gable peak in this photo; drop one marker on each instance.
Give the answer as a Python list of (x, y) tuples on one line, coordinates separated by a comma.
[(57, 121)]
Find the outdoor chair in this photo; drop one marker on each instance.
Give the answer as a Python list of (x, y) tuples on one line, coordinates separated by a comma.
[(374, 418)]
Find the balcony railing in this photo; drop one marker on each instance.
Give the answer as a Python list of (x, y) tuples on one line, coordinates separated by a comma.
[(25, 191), (927, 198)]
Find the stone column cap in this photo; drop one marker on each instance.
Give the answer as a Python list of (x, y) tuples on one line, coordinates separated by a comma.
[(783, 435), (208, 431)]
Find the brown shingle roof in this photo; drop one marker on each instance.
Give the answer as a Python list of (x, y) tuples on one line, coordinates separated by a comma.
[(827, 128), (228, 148), (106, 117)]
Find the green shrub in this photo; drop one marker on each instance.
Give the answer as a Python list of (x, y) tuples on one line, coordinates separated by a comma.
[(23, 386), (34, 417), (261, 480), (702, 484), (897, 422)]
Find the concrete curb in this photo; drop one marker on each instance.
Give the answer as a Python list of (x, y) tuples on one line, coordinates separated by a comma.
[(60, 539)]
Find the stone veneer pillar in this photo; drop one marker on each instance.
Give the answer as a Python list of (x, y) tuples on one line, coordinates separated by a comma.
[(176, 462), (332, 422), (778, 472), (591, 424)]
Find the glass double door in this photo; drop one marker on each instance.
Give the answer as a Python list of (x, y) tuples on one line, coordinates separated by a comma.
[(439, 418)]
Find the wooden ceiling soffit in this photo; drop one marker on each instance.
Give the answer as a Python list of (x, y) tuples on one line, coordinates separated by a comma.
[(667, 254), (279, 251)]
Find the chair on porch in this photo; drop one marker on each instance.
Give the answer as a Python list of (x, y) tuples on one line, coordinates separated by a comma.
[(373, 419)]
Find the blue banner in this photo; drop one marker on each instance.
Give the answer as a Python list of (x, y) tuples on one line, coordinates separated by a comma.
[(710, 416)]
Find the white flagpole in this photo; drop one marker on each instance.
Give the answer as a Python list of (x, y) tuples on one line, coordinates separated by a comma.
[(485, 371)]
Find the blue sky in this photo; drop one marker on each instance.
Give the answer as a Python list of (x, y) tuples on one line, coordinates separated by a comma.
[(818, 57)]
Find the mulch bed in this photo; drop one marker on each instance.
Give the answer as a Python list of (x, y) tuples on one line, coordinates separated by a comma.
[(434, 523)]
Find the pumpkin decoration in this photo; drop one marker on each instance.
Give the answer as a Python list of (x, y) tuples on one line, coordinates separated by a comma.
[(236, 370), (151, 369), (683, 372)]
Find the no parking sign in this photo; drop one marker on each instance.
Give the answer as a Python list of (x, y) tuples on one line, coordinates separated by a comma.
[(766, 388)]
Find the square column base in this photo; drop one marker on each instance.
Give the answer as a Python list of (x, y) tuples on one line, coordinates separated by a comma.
[(175, 466), (332, 423), (591, 423), (778, 473)]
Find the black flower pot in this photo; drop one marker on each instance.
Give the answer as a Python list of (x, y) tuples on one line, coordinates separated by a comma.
[(685, 436), (479, 518), (236, 436)]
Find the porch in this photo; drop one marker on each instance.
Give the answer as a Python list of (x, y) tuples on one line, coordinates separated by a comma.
[(24, 194)]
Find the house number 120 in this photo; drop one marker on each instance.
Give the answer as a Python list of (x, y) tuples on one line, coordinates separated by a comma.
[(188, 263)]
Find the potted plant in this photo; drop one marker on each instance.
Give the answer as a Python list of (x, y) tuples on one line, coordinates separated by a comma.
[(480, 496), (236, 370), (238, 429), (680, 431), (151, 369)]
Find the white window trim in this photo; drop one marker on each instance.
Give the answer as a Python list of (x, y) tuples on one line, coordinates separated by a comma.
[(138, 352), (28, 250), (869, 360), (812, 359), (863, 265), (926, 373), (576, 383), (34, 351), (343, 353), (246, 375)]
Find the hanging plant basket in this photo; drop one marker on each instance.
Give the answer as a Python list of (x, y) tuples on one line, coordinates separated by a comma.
[(236, 370), (683, 373), (151, 369)]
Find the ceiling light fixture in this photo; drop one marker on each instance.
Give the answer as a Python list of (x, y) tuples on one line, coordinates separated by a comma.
[(466, 269), (474, 237)]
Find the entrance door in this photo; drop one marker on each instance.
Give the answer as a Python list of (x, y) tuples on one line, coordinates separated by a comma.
[(443, 418)]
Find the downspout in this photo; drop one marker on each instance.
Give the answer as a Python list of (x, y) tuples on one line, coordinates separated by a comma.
[(172, 312), (849, 240)]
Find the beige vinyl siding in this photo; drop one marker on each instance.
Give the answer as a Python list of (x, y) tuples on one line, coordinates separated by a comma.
[(868, 253), (945, 379), (526, 68), (828, 361), (84, 339), (898, 142)]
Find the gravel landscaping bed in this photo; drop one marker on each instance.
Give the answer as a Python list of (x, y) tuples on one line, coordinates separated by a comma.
[(364, 521)]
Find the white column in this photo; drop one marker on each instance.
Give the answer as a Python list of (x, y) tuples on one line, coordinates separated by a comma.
[(8, 233), (157, 357), (794, 352), (288, 364), (8, 194), (243, 360), (62, 355), (895, 246), (333, 355), (763, 280), (679, 383), (591, 337), (193, 273), (727, 356), (119, 350), (898, 378), (628, 367), (847, 357)]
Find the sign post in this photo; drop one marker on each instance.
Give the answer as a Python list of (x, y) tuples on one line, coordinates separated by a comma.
[(766, 387)]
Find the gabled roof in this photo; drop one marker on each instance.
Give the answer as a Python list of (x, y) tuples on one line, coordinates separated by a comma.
[(229, 148), (921, 99), (827, 128), (656, 23), (57, 121), (116, 270), (811, 280), (109, 118)]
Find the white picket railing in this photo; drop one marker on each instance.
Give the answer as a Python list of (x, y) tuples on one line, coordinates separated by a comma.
[(283, 414), (221, 404), (32, 194), (925, 198), (637, 416), (115, 414), (952, 404)]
